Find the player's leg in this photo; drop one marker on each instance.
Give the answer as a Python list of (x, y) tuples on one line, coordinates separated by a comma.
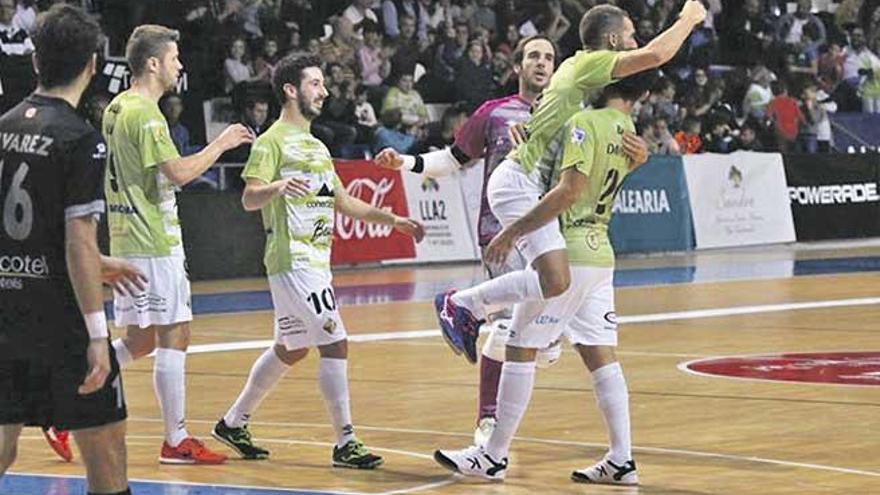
[(137, 343), (348, 452), (593, 332), (104, 455), (511, 195), (9, 434), (267, 371)]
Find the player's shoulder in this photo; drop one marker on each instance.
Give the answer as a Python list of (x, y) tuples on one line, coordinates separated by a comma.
[(504, 103), (53, 119)]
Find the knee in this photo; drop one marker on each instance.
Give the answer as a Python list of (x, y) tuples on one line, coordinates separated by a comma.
[(520, 354), (555, 283), (290, 357), (141, 345), (336, 350)]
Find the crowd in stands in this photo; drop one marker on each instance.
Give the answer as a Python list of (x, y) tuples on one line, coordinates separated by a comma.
[(758, 75)]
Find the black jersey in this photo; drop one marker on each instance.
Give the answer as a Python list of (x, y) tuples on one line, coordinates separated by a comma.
[(51, 170)]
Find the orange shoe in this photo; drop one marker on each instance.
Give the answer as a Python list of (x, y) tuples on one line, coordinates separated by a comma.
[(190, 451), (59, 440)]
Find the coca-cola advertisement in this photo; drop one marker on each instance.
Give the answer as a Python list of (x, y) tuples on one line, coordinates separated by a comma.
[(356, 241)]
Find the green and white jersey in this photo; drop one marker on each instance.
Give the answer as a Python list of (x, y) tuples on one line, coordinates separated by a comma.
[(577, 79), (299, 231), (594, 147), (141, 204)]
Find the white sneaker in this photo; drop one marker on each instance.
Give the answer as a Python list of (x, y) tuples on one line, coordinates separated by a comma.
[(472, 461), (606, 472), (484, 430)]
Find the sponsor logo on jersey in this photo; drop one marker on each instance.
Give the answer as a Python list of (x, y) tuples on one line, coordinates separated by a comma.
[(24, 266), (546, 320), (374, 194), (578, 135), (835, 194)]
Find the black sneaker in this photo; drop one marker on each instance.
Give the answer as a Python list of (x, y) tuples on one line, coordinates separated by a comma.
[(355, 455), (239, 440)]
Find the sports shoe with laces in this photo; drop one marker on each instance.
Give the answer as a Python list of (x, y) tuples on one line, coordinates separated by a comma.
[(459, 326), (484, 430), (607, 472), (59, 440), (239, 440), (472, 461), (355, 455), (189, 451)]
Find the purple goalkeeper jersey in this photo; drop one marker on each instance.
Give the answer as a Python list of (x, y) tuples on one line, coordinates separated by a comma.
[(484, 135)]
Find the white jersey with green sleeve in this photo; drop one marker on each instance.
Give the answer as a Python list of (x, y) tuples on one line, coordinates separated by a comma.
[(299, 231), (577, 79), (141, 204), (595, 148)]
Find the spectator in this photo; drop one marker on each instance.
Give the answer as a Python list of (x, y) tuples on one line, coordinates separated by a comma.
[(237, 68), (552, 22), (786, 115), (688, 138), (748, 139), (16, 68), (338, 47), (451, 52), (441, 13), (365, 115), (861, 70), (394, 10), (256, 115), (350, 25), (815, 115), (824, 137), (25, 15), (264, 65), (503, 77), (759, 94), (645, 31), (790, 28), (484, 16), (405, 98), (442, 134), (335, 126), (172, 108), (374, 67), (304, 17), (658, 138), (408, 51), (830, 68), (474, 83), (511, 38), (389, 135), (748, 33), (720, 139), (661, 104)]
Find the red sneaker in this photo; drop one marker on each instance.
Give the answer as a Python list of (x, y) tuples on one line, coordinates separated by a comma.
[(190, 451), (59, 440)]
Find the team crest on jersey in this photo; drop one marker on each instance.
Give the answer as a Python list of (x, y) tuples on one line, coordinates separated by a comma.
[(592, 239), (330, 325), (30, 113), (578, 135)]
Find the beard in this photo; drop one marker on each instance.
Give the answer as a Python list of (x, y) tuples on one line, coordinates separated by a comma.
[(306, 109)]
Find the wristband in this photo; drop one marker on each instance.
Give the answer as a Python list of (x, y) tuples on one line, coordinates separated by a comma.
[(96, 324), (419, 166)]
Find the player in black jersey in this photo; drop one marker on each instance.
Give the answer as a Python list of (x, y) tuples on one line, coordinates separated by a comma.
[(56, 363)]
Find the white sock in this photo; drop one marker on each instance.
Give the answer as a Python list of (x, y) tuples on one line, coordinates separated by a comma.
[(333, 380), (514, 393), (123, 356), (267, 371), (612, 397), (169, 383), (508, 289)]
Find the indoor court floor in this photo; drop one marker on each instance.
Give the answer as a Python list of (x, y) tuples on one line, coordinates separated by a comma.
[(753, 371)]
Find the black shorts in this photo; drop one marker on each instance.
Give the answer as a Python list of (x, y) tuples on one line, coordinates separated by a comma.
[(39, 392)]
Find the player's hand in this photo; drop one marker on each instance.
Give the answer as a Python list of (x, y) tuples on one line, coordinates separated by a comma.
[(297, 188), (234, 136), (124, 277), (499, 247), (389, 158), (98, 355), (636, 149), (693, 11), (410, 227), (517, 134)]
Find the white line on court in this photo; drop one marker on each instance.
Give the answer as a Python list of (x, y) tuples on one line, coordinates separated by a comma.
[(602, 445), (634, 319)]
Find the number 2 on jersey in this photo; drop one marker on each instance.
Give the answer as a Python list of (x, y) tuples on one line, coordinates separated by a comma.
[(609, 191), (17, 199), (327, 300)]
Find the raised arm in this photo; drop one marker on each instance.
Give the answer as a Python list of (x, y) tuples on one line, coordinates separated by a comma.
[(662, 48)]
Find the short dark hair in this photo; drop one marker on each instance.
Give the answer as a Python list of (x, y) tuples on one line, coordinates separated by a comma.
[(290, 71), (520, 51), (254, 100), (599, 21), (147, 41), (65, 39), (633, 87)]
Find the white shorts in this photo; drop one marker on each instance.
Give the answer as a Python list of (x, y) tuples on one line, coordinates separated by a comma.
[(512, 193), (167, 299), (306, 314), (585, 312)]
